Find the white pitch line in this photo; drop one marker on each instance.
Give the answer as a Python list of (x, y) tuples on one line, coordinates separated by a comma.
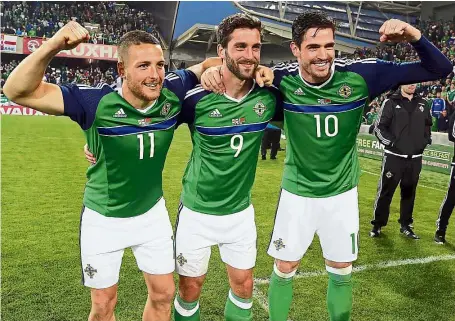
[(421, 185), (261, 298)]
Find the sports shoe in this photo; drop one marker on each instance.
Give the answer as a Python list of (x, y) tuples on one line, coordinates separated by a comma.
[(263, 157), (273, 157), (407, 231), (375, 232), (440, 237)]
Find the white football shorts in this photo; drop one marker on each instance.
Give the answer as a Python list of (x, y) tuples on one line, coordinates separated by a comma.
[(104, 239), (334, 219), (235, 235)]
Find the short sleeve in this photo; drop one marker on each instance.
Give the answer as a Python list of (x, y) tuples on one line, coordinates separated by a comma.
[(180, 82), (81, 102)]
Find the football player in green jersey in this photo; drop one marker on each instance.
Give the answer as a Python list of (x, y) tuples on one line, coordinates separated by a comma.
[(216, 209), (324, 99), (323, 105), (130, 130)]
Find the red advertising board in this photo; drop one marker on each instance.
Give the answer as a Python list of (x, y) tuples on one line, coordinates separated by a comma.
[(84, 50), (20, 111)]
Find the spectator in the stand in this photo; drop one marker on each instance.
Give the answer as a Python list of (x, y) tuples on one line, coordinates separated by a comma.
[(443, 122), (371, 116), (437, 105)]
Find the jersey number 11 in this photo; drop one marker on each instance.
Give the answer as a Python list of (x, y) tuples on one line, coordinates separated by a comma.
[(141, 145)]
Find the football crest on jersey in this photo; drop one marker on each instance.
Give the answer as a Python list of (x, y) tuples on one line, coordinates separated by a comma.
[(279, 244), (165, 110), (238, 121), (90, 271), (181, 260), (389, 175), (259, 108), (345, 91)]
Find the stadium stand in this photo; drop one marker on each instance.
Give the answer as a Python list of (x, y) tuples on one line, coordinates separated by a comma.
[(107, 21)]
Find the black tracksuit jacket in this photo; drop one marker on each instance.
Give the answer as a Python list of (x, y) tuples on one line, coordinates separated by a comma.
[(404, 126)]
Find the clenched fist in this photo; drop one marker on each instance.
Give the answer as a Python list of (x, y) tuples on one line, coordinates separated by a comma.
[(69, 36), (395, 30)]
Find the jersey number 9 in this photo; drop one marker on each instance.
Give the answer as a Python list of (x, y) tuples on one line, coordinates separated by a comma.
[(237, 144)]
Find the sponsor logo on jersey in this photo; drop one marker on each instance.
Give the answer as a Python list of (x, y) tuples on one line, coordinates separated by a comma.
[(90, 271), (144, 122), (389, 175), (324, 101), (215, 114), (279, 244), (345, 91), (238, 121), (181, 260), (397, 107), (165, 110), (259, 108), (299, 92), (421, 107), (120, 114)]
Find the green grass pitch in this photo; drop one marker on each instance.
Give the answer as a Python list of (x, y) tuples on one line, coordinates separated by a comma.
[(43, 176)]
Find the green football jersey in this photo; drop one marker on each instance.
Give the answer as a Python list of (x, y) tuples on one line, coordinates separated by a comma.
[(322, 120), (226, 135), (130, 144)]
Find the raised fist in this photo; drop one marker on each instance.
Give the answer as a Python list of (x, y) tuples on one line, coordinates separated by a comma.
[(69, 36)]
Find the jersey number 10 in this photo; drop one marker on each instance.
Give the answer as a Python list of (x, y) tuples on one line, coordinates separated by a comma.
[(329, 129), (141, 145)]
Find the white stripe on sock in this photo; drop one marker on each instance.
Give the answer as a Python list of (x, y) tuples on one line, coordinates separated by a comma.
[(241, 305), (182, 311), (342, 271), (283, 275)]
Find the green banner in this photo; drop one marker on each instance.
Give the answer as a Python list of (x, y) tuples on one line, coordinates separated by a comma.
[(436, 158)]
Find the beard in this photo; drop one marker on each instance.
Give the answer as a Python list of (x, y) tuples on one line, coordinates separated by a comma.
[(138, 90), (317, 75), (234, 67)]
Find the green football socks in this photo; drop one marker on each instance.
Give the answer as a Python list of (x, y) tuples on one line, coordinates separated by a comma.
[(339, 294), (186, 311), (280, 294), (238, 309)]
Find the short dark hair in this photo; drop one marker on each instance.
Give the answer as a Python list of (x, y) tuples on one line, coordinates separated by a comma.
[(236, 21), (135, 37), (308, 20)]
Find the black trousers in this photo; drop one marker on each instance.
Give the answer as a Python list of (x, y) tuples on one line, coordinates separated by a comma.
[(271, 139), (397, 170), (447, 204)]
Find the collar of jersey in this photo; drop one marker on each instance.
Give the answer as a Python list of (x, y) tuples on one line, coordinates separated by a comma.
[(240, 99), (145, 110), (332, 70)]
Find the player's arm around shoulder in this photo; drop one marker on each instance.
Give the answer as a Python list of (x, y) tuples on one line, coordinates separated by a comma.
[(25, 85)]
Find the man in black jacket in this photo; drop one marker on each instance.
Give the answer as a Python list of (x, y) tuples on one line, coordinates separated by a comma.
[(404, 127), (448, 203)]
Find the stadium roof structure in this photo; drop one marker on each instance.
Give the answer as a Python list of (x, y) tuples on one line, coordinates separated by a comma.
[(403, 7), (203, 37), (357, 20)]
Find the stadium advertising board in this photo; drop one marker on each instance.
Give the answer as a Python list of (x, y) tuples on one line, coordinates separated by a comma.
[(84, 50), (20, 111), (435, 157), (8, 43), (10, 108)]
